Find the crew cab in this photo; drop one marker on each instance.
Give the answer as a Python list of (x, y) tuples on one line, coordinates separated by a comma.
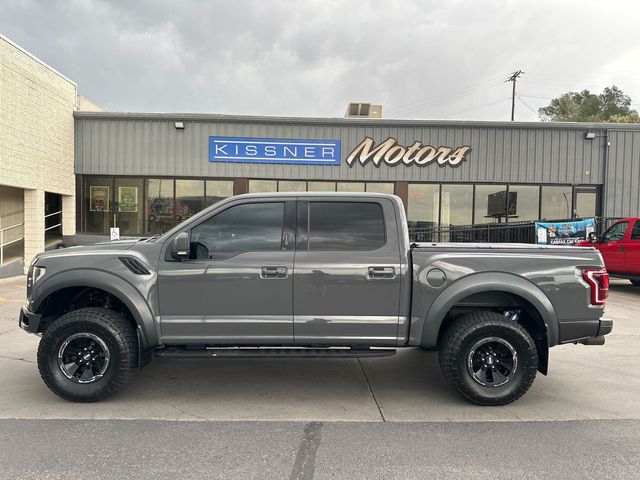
[(310, 275), (619, 246)]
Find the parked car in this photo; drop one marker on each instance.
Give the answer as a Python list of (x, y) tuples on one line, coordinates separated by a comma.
[(620, 248), (310, 275)]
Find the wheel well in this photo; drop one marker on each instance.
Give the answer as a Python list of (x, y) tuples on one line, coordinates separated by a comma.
[(512, 306), (72, 298)]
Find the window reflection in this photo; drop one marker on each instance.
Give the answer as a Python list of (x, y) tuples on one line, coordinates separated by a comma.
[(524, 202), (218, 190), (345, 226), (189, 198), (490, 204), (159, 205), (556, 203), (456, 205), (423, 206), (263, 186), (243, 228)]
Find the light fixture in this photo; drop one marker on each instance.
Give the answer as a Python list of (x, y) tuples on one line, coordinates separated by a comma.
[(590, 135), (179, 125)]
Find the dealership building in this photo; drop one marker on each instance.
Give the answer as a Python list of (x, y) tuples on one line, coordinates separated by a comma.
[(145, 172), (69, 173)]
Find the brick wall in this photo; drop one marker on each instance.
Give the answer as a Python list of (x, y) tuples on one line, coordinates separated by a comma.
[(36, 137)]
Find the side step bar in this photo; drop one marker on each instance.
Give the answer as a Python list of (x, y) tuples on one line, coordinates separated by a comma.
[(268, 352)]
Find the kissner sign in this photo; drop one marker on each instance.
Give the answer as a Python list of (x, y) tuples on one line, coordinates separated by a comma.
[(274, 150), (392, 154)]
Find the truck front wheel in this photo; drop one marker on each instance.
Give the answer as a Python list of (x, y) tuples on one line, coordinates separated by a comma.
[(88, 354), (488, 358)]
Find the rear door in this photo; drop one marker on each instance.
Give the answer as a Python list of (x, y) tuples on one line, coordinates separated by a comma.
[(611, 246), (632, 249), (346, 272)]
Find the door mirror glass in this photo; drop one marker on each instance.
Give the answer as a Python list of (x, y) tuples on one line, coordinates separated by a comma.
[(180, 247), (593, 237)]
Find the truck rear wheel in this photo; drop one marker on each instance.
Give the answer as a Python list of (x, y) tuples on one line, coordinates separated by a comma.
[(489, 359), (88, 354)]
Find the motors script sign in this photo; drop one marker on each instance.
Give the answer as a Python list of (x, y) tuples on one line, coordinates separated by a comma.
[(392, 154)]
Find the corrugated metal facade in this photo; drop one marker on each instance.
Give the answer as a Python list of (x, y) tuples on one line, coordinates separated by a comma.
[(150, 145)]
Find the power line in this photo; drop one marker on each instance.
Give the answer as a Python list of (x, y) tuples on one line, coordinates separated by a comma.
[(513, 78), (445, 97), (480, 106), (527, 105)]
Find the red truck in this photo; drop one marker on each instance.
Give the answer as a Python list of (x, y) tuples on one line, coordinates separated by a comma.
[(620, 248)]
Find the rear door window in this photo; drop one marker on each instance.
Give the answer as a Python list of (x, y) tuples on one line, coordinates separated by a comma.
[(346, 226), (635, 233)]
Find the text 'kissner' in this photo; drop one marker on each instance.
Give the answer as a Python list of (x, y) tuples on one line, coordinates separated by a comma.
[(392, 154)]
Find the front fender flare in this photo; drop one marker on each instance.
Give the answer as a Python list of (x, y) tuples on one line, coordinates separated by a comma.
[(131, 297), (488, 282)]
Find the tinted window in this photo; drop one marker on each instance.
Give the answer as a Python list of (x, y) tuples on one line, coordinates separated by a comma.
[(635, 233), (345, 226), (616, 232), (243, 228)]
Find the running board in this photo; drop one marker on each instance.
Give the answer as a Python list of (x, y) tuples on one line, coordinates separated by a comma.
[(266, 352)]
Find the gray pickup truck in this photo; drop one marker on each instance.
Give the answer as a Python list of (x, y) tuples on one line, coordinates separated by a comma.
[(310, 275)]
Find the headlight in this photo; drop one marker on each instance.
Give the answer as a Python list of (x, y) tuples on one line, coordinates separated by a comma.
[(38, 273)]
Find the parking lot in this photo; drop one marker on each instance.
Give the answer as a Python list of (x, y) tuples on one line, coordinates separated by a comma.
[(584, 383)]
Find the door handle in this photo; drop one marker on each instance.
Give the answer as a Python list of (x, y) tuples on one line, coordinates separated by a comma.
[(273, 272), (621, 248), (382, 272)]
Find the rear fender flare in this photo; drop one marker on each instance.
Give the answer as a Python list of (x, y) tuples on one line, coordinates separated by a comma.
[(488, 282)]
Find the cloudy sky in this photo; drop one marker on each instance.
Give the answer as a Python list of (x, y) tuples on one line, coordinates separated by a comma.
[(419, 58)]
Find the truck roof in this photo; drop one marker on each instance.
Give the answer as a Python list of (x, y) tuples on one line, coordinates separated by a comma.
[(316, 194)]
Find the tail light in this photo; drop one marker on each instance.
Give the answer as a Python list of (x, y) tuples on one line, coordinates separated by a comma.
[(598, 281)]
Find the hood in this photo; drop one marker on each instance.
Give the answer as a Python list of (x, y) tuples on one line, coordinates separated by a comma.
[(102, 247)]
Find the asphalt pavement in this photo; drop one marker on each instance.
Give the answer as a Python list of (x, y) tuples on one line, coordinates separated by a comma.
[(390, 417)]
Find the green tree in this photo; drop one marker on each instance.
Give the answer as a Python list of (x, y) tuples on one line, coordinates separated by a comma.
[(612, 105)]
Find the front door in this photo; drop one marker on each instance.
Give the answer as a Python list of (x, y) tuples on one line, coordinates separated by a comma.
[(236, 287), (611, 246), (347, 272), (632, 250)]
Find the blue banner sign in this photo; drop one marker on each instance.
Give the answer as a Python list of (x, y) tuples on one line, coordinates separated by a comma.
[(274, 150), (564, 233)]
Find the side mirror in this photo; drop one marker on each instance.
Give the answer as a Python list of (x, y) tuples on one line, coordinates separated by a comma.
[(593, 237), (180, 246)]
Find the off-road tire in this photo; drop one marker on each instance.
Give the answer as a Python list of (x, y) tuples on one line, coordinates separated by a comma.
[(464, 333), (113, 329)]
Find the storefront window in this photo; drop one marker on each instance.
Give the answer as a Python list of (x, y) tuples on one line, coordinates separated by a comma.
[(97, 201), (379, 187), (321, 186), (263, 186), (129, 209), (350, 187), (189, 198), (490, 204), (424, 203), (159, 205), (456, 205), (218, 190), (291, 186), (525, 201), (586, 203), (556, 203)]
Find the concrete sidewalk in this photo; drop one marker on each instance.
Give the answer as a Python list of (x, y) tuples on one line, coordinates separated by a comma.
[(583, 382)]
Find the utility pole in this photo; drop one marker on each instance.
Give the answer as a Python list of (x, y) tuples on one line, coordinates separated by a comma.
[(512, 78)]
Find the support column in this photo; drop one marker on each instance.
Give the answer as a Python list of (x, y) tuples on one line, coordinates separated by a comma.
[(33, 225), (68, 215)]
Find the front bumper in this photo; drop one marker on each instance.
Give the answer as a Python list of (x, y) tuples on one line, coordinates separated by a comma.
[(29, 321)]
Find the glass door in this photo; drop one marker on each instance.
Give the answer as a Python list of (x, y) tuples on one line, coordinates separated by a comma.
[(128, 206), (586, 202)]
